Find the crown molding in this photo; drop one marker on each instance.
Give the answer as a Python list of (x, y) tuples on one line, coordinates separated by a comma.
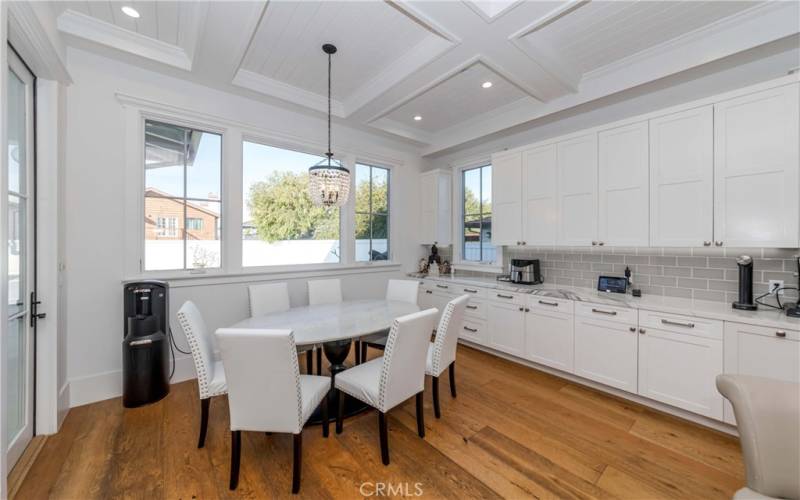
[(89, 28), (264, 85), (26, 34), (490, 18)]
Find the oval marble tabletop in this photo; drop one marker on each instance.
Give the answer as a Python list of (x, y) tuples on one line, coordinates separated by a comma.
[(326, 323)]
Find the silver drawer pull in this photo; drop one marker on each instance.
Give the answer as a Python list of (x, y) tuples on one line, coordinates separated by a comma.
[(141, 342), (473, 330), (780, 333), (442, 286), (677, 323), (546, 303), (470, 290), (601, 311), (505, 296), (472, 307), (428, 291)]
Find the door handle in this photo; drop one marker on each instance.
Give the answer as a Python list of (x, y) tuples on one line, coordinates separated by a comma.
[(473, 330), (505, 296), (677, 323), (472, 307), (546, 303), (442, 286), (469, 290), (601, 311), (428, 291), (780, 333), (706, 243)]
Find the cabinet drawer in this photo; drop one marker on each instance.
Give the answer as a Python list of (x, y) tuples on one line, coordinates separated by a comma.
[(610, 313), (690, 325), (474, 331), (476, 308), (778, 333), (550, 304), (505, 296), (443, 287), (472, 291)]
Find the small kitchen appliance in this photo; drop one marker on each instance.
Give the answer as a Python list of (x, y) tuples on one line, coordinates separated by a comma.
[(525, 271), (745, 302), (612, 284), (794, 312)]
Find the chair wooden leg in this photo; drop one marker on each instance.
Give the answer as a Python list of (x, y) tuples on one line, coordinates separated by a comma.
[(319, 360), (357, 345), (298, 462), (437, 412), (339, 411), (310, 362), (453, 379), (384, 438), (364, 352), (236, 452), (325, 424), (420, 416), (204, 406)]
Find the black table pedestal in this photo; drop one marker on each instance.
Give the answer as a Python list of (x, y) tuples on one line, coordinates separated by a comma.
[(336, 352)]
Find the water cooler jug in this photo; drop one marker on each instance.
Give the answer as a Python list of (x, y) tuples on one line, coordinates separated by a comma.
[(145, 345)]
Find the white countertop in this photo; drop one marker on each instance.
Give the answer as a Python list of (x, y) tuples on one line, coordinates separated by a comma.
[(699, 308)]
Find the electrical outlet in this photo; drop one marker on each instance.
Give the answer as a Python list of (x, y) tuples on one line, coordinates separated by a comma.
[(774, 285)]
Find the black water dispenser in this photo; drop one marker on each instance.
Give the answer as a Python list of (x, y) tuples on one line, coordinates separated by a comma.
[(145, 345)]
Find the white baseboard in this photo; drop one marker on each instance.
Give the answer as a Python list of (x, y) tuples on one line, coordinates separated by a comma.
[(678, 412), (107, 385), (63, 404)]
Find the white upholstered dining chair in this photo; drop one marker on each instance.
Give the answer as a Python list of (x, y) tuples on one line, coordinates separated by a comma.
[(385, 382), (442, 351), (324, 292), (271, 298), (398, 291), (210, 373), (266, 392)]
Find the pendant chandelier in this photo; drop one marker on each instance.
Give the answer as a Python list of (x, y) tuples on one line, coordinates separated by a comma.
[(329, 180)]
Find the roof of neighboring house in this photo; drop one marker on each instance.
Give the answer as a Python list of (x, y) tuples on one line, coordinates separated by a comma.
[(156, 193), (477, 223)]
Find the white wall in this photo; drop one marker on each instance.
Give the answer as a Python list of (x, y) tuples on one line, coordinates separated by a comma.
[(94, 192)]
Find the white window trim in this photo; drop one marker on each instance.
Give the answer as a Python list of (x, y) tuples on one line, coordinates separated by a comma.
[(458, 220), (390, 201), (138, 110)]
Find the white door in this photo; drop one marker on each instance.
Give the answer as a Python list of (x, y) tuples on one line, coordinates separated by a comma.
[(506, 199), (540, 196), (682, 179), (549, 339), (507, 328), (681, 370), (756, 163), (19, 343), (623, 186), (606, 352), (577, 191)]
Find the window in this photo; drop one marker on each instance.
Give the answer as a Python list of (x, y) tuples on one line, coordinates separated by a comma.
[(477, 215), (183, 172), (280, 225), (372, 213)]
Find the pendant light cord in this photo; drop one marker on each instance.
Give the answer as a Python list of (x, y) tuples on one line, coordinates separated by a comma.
[(330, 154)]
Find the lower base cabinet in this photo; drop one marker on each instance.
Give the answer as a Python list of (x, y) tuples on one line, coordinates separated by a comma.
[(681, 370), (606, 352), (549, 339), (474, 331), (507, 328)]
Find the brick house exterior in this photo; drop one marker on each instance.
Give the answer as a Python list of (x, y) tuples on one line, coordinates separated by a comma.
[(164, 218)]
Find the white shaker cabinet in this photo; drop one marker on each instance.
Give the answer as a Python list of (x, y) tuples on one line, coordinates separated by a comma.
[(756, 163), (606, 349), (577, 191), (623, 189), (549, 332), (540, 195), (435, 219), (506, 323), (506, 199), (682, 179)]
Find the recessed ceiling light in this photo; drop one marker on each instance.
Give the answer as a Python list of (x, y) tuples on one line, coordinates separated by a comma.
[(486, 85), (130, 11), (417, 118)]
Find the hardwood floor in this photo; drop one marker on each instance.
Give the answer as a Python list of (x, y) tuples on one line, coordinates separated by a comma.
[(512, 432)]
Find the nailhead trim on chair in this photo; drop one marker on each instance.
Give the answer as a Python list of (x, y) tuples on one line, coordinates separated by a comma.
[(199, 366), (296, 368), (438, 342), (387, 361)]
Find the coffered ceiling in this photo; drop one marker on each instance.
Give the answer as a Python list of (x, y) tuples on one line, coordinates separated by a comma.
[(400, 59)]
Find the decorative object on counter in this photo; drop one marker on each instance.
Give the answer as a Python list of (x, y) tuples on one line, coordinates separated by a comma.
[(525, 272), (433, 269), (445, 268), (745, 302), (612, 284), (628, 275), (434, 256), (422, 267)]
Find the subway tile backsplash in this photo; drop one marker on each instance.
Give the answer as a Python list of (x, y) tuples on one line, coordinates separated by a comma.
[(698, 273)]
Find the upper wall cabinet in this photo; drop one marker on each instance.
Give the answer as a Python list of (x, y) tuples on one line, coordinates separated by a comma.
[(435, 223), (756, 162), (540, 195), (682, 179), (577, 191), (506, 199), (623, 186)]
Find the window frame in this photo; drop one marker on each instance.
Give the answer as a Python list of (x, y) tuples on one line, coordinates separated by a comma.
[(459, 262), (389, 239)]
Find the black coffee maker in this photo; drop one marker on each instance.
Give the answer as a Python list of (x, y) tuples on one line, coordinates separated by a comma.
[(794, 311), (145, 345), (745, 302)]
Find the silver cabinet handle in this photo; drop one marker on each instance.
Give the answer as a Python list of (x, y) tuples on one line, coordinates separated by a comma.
[(718, 243), (642, 331), (470, 290), (780, 333), (505, 296), (524, 243), (473, 330), (706, 243), (633, 329), (594, 243), (677, 323), (472, 307), (601, 243), (442, 286), (601, 311), (527, 310), (546, 303), (521, 308), (519, 242), (428, 291)]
